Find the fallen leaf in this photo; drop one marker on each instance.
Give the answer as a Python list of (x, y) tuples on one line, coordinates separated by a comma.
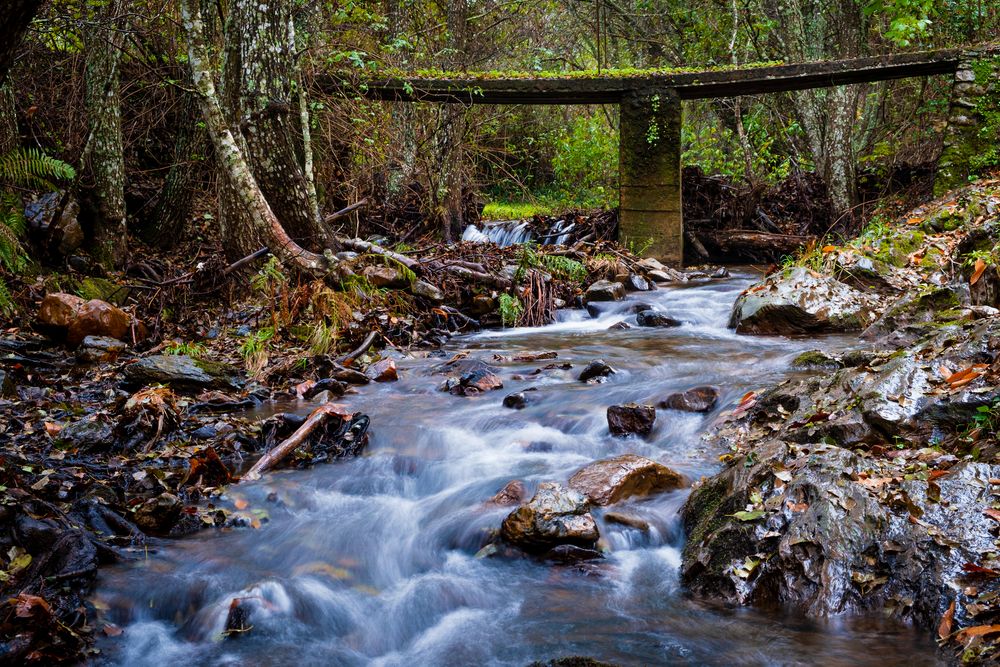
[(976, 631), (112, 630), (829, 248), (798, 507), (972, 568), (977, 272), (992, 513), (748, 516), (944, 629), (241, 503)]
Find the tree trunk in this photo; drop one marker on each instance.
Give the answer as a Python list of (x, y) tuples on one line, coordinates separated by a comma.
[(173, 206), (260, 100), (259, 221), (107, 161), (8, 120), (14, 21)]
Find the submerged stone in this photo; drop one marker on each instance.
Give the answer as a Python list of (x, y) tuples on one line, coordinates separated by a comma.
[(611, 480)]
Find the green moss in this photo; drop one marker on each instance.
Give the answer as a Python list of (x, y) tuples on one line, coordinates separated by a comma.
[(508, 210), (103, 289), (814, 359)]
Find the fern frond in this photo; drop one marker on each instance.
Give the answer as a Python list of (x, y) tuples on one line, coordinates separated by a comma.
[(12, 254), (31, 168), (7, 305)]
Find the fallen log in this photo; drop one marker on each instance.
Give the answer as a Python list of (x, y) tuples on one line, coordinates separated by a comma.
[(750, 245), (295, 440)]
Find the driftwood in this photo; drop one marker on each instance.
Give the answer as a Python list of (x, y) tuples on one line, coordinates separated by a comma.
[(751, 245), (295, 440)]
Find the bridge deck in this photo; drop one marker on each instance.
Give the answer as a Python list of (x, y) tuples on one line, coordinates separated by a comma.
[(605, 89)]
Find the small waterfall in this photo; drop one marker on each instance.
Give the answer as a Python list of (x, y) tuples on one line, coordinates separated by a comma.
[(511, 232)]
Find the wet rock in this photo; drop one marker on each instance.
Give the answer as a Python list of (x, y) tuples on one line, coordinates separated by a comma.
[(474, 376), (596, 370), (637, 283), (89, 434), (539, 447), (99, 349), (837, 532), (383, 370), (513, 493), (611, 480), (516, 401), (568, 554), (631, 419), (620, 326), (426, 290), (58, 310), (605, 290), (815, 360), (628, 520), (652, 318), (70, 317), (181, 372), (555, 515), (385, 277), (800, 301), (719, 273), (698, 399), (335, 387), (158, 515), (906, 318)]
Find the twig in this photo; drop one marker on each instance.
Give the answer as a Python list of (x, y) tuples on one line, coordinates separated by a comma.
[(295, 440), (349, 358), (344, 211)]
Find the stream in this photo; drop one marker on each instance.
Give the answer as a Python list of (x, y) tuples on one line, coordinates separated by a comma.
[(373, 561)]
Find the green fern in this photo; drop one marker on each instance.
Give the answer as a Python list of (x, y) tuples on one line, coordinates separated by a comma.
[(511, 309), (31, 168), (564, 267)]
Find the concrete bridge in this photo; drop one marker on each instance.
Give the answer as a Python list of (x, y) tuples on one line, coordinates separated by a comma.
[(651, 114)]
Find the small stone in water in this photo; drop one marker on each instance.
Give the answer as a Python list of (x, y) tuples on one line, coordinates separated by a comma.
[(651, 318), (699, 399), (631, 419), (516, 401), (596, 370)]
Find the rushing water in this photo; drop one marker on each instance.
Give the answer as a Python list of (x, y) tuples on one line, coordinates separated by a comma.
[(372, 561)]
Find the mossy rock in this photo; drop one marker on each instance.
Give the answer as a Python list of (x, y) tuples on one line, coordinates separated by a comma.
[(101, 288), (815, 360)]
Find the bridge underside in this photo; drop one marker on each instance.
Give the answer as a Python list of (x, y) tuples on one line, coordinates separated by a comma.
[(651, 117)]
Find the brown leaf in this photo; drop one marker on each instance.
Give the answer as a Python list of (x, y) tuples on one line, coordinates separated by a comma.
[(976, 631), (972, 568), (829, 248), (992, 513), (27, 605), (112, 630), (977, 272), (947, 621)]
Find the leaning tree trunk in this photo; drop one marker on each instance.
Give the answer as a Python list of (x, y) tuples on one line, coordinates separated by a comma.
[(261, 101), (14, 21), (106, 148), (259, 222)]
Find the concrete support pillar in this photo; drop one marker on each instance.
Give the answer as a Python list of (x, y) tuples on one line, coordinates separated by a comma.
[(972, 137), (650, 173)]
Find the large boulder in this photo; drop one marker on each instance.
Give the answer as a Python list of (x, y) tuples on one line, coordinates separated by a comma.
[(608, 481), (182, 372), (801, 301), (631, 419), (819, 528), (555, 515), (605, 290)]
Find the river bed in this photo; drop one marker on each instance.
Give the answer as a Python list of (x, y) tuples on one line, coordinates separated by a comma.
[(373, 561)]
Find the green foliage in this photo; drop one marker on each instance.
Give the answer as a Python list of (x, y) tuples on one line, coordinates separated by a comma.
[(509, 210), (511, 309), (254, 348), (405, 271), (191, 349), (585, 163), (564, 267), (270, 278), (21, 169), (31, 168), (904, 21), (323, 338)]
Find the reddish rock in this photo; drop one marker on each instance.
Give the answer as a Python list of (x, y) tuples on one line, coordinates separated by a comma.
[(630, 419), (699, 399), (513, 493), (383, 370), (608, 481), (99, 318), (385, 277), (58, 310), (555, 515), (65, 315)]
